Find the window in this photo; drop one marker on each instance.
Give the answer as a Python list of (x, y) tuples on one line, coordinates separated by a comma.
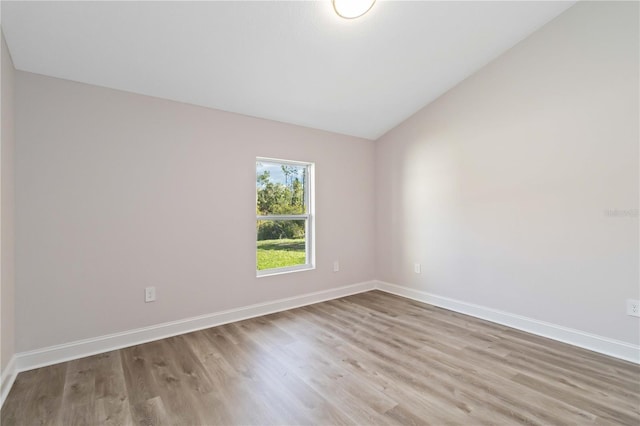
[(284, 216)]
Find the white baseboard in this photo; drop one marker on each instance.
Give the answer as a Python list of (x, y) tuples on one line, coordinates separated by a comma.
[(603, 345), (66, 352), (7, 378)]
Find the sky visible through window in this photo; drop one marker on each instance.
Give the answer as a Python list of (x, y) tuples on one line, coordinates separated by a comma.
[(276, 174)]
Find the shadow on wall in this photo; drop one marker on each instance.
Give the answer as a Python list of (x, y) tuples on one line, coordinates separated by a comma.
[(430, 209)]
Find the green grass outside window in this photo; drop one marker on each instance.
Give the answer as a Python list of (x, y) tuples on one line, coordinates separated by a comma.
[(281, 253)]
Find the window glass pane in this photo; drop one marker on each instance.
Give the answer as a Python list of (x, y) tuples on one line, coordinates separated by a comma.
[(281, 243), (281, 188)]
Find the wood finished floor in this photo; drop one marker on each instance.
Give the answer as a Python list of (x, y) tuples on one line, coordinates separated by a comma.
[(368, 359)]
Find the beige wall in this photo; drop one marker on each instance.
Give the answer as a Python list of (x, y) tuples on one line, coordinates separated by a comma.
[(7, 287), (117, 191), (499, 188)]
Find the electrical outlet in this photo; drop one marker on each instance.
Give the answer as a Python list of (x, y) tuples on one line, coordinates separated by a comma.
[(633, 307), (336, 266), (150, 294), (416, 268)]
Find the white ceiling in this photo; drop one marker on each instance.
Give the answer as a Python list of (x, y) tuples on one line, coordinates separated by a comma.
[(293, 61)]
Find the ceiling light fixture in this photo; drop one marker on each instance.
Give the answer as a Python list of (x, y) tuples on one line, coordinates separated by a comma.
[(350, 9)]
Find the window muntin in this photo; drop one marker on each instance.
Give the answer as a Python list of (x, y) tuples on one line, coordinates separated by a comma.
[(284, 220)]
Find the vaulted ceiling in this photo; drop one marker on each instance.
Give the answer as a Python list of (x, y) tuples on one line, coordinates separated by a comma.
[(290, 61)]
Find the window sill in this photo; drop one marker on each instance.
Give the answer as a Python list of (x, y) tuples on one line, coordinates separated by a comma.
[(281, 271)]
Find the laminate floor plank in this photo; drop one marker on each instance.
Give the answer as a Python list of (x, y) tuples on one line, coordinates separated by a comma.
[(36, 397), (150, 412), (600, 389), (180, 401), (293, 391), (496, 387), (441, 393), (335, 384), (439, 402), (624, 379), (330, 380), (141, 385), (602, 410), (263, 404), (79, 394), (367, 359), (112, 402)]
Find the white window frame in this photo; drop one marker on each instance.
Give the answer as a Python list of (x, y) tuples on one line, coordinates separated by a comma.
[(308, 217)]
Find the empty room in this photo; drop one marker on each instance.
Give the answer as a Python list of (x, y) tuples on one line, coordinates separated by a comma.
[(330, 212)]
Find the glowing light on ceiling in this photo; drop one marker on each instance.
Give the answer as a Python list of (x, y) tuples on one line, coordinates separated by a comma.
[(350, 9)]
